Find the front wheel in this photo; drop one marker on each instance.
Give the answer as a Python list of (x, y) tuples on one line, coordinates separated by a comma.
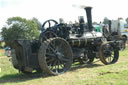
[(107, 54)]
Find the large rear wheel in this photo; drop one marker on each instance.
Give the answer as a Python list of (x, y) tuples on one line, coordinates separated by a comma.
[(55, 56)]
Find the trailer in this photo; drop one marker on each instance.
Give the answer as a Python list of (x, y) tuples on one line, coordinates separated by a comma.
[(119, 26)]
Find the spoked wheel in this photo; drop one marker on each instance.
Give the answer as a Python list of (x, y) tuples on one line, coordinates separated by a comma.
[(55, 56), (48, 24), (107, 54), (46, 35)]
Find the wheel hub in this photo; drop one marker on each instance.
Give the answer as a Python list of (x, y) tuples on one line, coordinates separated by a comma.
[(59, 55)]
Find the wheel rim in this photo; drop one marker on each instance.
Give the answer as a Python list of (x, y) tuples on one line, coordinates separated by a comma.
[(57, 57), (49, 22), (107, 54)]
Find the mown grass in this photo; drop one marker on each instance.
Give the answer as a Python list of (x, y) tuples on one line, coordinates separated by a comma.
[(95, 74), (2, 54)]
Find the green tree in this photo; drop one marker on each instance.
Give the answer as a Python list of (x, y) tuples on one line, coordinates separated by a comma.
[(38, 23), (106, 20), (20, 28)]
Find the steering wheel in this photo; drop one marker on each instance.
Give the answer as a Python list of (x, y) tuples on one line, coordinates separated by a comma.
[(49, 22)]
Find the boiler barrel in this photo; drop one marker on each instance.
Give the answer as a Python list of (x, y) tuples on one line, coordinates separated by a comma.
[(79, 42)]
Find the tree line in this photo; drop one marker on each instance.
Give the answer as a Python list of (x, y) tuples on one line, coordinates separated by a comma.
[(21, 28)]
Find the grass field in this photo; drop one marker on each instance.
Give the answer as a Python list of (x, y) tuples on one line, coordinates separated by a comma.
[(96, 74)]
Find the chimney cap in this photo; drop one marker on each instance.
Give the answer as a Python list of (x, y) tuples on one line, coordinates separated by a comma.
[(83, 6), (86, 7)]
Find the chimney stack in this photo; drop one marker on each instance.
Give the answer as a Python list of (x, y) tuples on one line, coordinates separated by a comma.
[(89, 17)]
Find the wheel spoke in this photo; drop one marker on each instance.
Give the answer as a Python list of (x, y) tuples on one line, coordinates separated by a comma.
[(65, 60), (58, 65), (53, 45), (109, 59), (54, 65), (56, 70), (53, 50), (61, 64), (113, 54), (50, 55), (50, 60), (51, 67)]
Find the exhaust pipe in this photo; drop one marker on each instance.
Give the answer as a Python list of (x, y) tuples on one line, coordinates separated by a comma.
[(110, 30), (89, 17)]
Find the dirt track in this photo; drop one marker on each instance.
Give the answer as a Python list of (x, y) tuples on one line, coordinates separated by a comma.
[(2, 51)]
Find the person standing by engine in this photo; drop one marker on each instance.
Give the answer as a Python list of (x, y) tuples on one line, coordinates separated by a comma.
[(82, 25)]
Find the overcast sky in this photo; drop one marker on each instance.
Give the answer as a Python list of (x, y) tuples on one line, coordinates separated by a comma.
[(67, 9)]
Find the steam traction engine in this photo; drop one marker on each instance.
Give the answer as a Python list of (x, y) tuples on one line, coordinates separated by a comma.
[(62, 44)]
